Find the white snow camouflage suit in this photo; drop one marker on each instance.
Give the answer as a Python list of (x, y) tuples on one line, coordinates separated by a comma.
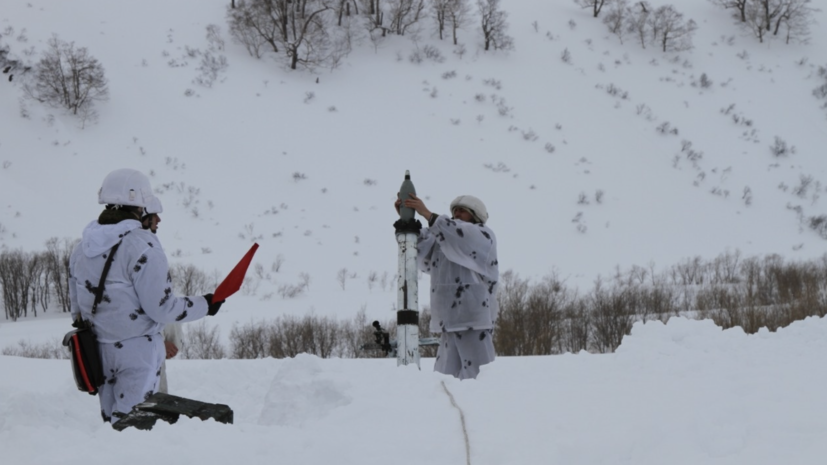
[(461, 258), (137, 302)]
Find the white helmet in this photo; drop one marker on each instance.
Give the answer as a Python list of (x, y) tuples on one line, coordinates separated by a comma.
[(125, 187), (475, 205)]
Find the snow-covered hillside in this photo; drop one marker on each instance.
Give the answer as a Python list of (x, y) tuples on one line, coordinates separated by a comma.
[(567, 155), (309, 169)]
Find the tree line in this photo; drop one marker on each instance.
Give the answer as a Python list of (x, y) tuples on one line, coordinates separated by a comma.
[(313, 33), (667, 28), (537, 317), (546, 316)]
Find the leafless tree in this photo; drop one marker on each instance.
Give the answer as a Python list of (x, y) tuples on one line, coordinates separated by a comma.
[(189, 280), (795, 18), (595, 5), (755, 21), (37, 274), (617, 19), (613, 313), (458, 15), (494, 25), (439, 11), (298, 28), (762, 17), (252, 26), (345, 8), (57, 262), (739, 5), (308, 41), (374, 16), (768, 10), (16, 283), (669, 29), (67, 77), (202, 342), (638, 21), (403, 14)]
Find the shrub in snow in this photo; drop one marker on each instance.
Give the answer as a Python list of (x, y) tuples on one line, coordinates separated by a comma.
[(819, 225), (780, 148)]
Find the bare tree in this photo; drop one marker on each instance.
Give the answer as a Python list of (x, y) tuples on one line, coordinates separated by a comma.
[(458, 14), (739, 5), (768, 10), (308, 41), (298, 28), (617, 19), (795, 16), (375, 17), (189, 280), (343, 8), (202, 342), (252, 24), (439, 11), (16, 283), (638, 21), (762, 17), (613, 313), (67, 77), (755, 20), (595, 5), (57, 262), (494, 25), (670, 31), (403, 14)]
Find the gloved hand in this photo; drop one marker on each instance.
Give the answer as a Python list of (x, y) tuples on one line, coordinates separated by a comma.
[(214, 306)]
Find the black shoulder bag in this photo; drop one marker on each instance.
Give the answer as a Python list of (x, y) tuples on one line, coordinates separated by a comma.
[(83, 344)]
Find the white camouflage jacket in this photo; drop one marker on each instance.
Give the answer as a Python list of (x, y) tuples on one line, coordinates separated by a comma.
[(138, 299), (461, 258)]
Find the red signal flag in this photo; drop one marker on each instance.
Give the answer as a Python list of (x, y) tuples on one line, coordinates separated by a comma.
[(232, 283)]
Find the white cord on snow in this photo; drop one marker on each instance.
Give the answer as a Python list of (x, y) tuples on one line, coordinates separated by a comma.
[(462, 420)]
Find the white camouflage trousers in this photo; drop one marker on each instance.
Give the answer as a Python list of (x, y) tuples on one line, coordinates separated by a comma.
[(132, 370), (462, 353)]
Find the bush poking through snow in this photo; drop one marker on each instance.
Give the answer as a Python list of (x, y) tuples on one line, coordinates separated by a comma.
[(819, 225), (781, 149), (48, 350), (202, 342)]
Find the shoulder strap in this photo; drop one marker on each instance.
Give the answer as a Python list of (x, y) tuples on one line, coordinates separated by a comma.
[(106, 266)]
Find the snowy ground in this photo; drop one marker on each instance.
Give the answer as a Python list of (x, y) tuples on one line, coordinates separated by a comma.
[(682, 393)]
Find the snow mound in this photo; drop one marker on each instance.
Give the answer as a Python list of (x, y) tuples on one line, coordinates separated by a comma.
[(302, 392)]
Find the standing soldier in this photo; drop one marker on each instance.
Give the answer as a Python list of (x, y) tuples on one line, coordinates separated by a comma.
[(120, 286), (460, 254)]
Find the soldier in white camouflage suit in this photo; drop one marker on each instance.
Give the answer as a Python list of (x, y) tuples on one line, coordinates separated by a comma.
[(137, 299), (460, 254)]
